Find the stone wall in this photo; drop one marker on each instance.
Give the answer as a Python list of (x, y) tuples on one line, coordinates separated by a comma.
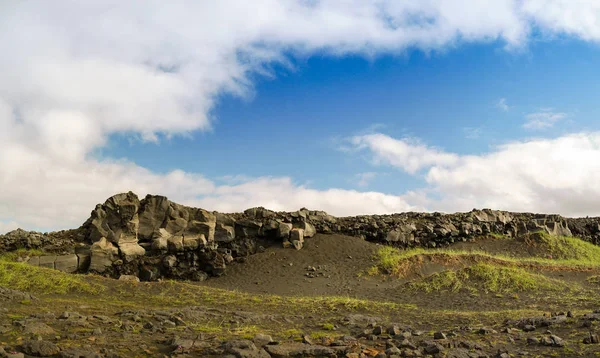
[(154, 237)]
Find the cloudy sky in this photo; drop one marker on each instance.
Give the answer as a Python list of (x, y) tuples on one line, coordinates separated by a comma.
[(348, 106)]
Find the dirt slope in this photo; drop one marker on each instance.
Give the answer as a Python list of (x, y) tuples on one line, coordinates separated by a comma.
[(339, 261)]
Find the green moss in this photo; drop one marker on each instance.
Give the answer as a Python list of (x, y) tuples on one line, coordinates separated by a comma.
[(564, 251), (328, 326), (566, 248), (23, 277), (489, 278), (12, 256)]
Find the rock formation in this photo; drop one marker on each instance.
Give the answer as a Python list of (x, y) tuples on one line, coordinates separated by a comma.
[(154, 237)]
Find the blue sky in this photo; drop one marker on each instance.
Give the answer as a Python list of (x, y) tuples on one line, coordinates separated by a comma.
[(349, 106), (295, 120)]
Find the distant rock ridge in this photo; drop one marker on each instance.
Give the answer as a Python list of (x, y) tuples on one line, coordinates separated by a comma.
[(155, 238)]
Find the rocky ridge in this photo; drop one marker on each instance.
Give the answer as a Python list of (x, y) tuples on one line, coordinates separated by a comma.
[(154, 237)]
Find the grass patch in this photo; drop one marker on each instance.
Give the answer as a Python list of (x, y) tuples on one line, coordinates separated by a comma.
[(23, 277), (555, 251), (595, 280), (328, 327), (565, 248), (13, 256), (489, 278)]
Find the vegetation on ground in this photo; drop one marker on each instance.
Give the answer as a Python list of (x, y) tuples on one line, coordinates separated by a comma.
[(558, 251), (23, 277), (489, 278), (13, 256)]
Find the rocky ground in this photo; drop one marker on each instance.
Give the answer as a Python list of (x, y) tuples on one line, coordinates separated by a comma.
[(152, 278), (339, 296)]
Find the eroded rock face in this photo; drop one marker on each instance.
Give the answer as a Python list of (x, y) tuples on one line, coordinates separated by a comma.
[(155, 237)]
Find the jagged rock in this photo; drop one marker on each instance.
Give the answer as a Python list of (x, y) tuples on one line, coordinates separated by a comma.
[(247, 228), (269, 228), (170, 261), (103, 254), (116, 220), (131, 250), (175, 244), (192, 243), (259, 213), (492, 216), (403, 234), (297, 235), (152, 215), (194, 235), (308, 229), (297, 244), (283, 231), (224, 233)]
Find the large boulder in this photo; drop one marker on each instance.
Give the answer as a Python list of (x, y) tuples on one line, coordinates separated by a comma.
[(283, 231), (403, 234), (491, 216), (131, 250), (247, 228), (259, 213), (116, 220), (103, 254), (152, 215), (308, 228), (67, 263), (224, 233)]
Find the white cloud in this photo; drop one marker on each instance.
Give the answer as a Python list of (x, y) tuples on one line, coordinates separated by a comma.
[(502, 105), (407, 154), (363, 179), (545, 118), (75, 72), (539, 175)]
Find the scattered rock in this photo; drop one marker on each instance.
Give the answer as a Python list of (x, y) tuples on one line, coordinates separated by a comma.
[(39, 348)]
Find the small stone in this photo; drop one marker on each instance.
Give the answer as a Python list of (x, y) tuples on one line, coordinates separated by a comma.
[(557, 341), (377, 330), (297, 244), (306, 339), (591, 339), (129, 278), (393, 330), (262, 339), (439, 335), (433, 348)]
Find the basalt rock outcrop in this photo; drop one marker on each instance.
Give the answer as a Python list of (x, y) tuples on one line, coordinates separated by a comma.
[(154, 237)]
